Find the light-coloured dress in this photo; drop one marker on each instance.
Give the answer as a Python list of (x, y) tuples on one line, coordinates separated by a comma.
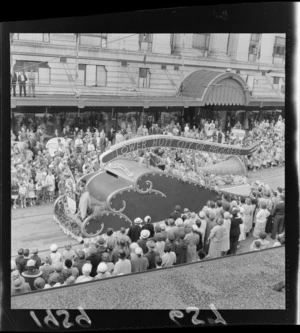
[(248, 217), (261, 221), (192, 241), (216, 237), (226, 241)]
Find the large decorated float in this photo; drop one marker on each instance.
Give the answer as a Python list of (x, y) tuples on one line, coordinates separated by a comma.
[(123, 189)]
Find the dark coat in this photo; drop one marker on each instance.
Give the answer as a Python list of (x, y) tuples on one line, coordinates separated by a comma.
[(235, 226), (95, 259), (37, 259), (78, 264), (151, 258), (13, 78), (134, 232), (279, 209), (181, 252), (19, 78), (150, 227)]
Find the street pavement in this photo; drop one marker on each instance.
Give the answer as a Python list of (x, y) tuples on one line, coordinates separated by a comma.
[(34, 226)]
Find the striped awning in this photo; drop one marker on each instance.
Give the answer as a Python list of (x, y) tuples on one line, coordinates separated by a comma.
[(216, 88)]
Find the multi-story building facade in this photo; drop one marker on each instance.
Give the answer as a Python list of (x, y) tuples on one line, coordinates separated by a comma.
[(109, 75)]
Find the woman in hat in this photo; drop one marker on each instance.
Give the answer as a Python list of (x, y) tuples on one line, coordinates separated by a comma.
[(192, 239), (18, 286), (102, 272), (216, 239), (55, 255), (144, 238), (31, 273), (261, 220), (226, 239), (248, 215)]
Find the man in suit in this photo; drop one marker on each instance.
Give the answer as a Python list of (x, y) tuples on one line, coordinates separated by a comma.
[(234, 231), (13, 78), (278, 213), (22, 78), (31, 82)]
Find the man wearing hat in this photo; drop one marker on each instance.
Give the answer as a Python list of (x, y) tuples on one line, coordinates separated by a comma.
[(46, 269), (80, 261), (106, 259), (176, 214), (148, 226), (151, 254), (279, 214), (95, 259), (19, 259), (135, 230), (122, 235), (23, 261), (139, 263), (123, 265), (18, 286), (144, 238), (31, 273), (36, 258), (115, 253)]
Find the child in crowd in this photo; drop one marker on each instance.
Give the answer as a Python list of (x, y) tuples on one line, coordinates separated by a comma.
[(15, 192), (22, 193), (31, 193)]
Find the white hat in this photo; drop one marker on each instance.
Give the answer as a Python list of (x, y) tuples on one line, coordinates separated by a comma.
[(30, 263), (202, 215), (139, 250), (242, 210), (102, 267), (147, 219), (194, 227), (145, 233), (138, 220), (53, 247), (179, 222)]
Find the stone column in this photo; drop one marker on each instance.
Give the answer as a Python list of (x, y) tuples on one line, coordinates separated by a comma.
[(218, 46)]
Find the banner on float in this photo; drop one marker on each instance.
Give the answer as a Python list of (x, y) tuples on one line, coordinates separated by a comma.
[(175, 142)]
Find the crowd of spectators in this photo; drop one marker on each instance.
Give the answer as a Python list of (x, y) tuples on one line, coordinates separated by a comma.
[(39, 175), (184, 237)]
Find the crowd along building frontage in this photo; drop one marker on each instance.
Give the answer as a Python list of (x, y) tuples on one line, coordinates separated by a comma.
[(106, 80)]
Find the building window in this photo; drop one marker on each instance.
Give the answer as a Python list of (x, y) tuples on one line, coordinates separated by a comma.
[(91, 75), (41, 69), (144, 78), (145, 42), (101, 76), (275, 80), (201, 41), (81, 74), (254, 47), (96, 40), (279, 48), (176, 68)]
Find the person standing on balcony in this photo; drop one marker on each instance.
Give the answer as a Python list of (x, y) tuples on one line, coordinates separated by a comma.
[(31, 79), (14, 79), (22, 78)]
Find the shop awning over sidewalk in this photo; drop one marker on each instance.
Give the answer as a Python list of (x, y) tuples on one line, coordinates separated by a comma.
[(216, 88)]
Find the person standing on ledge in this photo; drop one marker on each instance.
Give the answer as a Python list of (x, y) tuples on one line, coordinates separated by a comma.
[(31, 86), (84, 204), (22, 78)]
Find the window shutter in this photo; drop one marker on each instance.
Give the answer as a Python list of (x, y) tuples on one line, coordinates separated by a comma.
[(143, 72), (101, 76)]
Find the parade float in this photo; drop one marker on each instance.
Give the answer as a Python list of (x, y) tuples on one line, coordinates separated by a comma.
[(124, 189)]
